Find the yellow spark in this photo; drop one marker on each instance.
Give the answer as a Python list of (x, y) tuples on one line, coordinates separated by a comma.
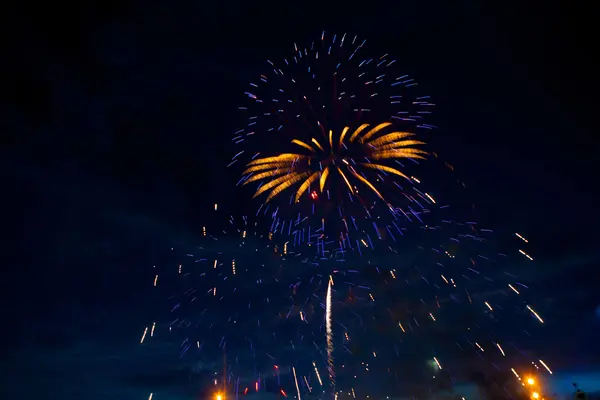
[(317, 144), (526, 255), (291, 180), (280, 158), (302, 144), (488, 306), (274, 182), (155, 280), (384, 169), (357, 132), (296, 380), (515, 372), (514, 290), (323, 179), (342, 135), (437, 362), (268, 174), (430, 198), (345, 180), (399, 145), (536, 314), (369, 184), (500, 348), (392, 140), (272, 168), (373, 131), (153, 327), (331, 140), (521, 237), (402, 153), (401, 327), (545, 366), (144, 335), (317, 373)]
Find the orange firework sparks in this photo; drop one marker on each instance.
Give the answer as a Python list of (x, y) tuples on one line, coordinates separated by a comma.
[(366, 148)]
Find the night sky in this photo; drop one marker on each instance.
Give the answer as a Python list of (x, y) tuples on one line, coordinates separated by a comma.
[(117, 120)]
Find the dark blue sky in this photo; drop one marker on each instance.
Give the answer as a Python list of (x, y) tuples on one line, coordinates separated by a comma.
[(118, 118)]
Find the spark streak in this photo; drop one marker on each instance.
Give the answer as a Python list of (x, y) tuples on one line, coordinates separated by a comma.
[(330, 366), (296, 380)]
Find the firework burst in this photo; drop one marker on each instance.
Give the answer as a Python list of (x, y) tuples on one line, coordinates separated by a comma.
[(315, 125), (345, 131), (346, 156)]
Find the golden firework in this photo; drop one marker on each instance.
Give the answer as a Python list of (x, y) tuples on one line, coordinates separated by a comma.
[(321, 160)]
